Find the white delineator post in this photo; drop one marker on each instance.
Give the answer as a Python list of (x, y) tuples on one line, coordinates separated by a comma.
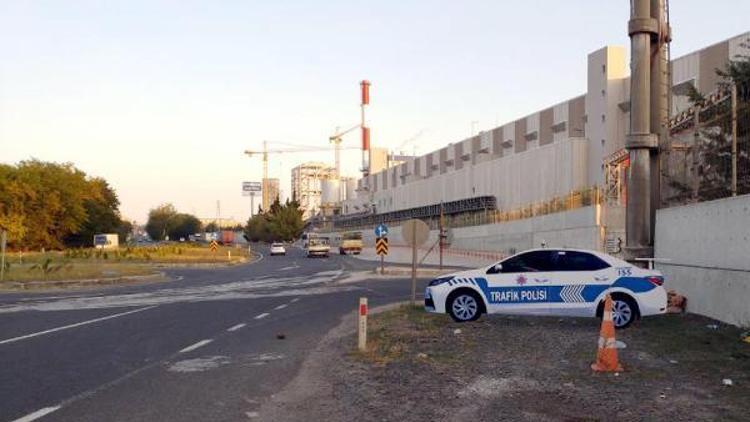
[(362, 326)]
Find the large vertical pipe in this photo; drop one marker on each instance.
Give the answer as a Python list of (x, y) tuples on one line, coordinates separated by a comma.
[(641, 28), (659, 102)]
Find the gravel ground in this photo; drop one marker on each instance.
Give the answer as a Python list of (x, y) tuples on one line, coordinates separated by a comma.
[(419, 368)]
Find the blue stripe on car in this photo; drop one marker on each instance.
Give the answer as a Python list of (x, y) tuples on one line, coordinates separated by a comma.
[(558, 294)]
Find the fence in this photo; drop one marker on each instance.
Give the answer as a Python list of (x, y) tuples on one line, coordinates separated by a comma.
[(576, 199), (708, 151)]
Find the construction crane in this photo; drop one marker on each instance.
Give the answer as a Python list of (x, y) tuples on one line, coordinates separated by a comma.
[(398, 153), (335, 139), (291, 148), (400, 148)]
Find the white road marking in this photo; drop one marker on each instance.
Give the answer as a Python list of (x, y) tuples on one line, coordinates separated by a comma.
[(235, 327), (281, 307), (285, 287), (196, 345), (38, 414), (263, 315), (78, 324), (294, 300)]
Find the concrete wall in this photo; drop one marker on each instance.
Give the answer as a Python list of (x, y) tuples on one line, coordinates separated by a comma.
[(708, 248), (576, 228)]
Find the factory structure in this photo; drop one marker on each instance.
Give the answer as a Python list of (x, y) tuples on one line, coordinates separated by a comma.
[(566, 156), (320, 191)]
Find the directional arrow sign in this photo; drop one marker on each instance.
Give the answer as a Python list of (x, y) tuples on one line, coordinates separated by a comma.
[(214, 245), (381, 230)]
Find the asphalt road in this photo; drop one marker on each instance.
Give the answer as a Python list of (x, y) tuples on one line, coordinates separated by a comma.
[(201, 347)]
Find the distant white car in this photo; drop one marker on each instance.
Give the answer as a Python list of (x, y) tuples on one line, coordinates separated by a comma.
[(277, 249), (560, 282)]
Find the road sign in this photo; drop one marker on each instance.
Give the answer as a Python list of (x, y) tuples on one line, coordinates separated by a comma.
[(251, 187), (214, 245), (381, 246), (415, 232), (381, 230)]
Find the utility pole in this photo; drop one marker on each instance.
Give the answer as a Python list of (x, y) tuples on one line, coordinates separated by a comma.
[(734, 139), (441, 235), (3, 241), (649, 35), (264, 183)]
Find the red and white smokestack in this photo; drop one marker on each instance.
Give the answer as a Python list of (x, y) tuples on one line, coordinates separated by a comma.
[(366, 153), (365, 85), (365, 138)]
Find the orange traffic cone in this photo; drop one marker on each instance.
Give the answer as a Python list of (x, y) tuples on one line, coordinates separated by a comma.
[(606, 356)]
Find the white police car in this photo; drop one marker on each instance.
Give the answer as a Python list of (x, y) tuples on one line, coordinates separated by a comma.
[(561, 282)]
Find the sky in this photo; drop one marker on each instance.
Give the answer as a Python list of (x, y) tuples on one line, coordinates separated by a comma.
[(161, 98)]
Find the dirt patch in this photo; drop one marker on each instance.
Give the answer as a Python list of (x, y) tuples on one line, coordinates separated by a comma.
[(418, 367)]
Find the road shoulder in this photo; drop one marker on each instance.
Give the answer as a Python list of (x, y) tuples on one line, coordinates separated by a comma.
[(419, 367)]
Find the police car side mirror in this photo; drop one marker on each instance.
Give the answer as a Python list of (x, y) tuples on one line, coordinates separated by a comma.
[(496, 269)]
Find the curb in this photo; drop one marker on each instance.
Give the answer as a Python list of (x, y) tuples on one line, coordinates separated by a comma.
[(88, 282)]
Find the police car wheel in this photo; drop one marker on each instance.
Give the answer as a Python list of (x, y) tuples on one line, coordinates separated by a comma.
[(464, 307), (623, 312)]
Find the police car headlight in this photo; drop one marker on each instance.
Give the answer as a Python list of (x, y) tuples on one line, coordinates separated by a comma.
[(439, 281)]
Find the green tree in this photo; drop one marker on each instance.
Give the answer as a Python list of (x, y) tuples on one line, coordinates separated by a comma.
[(182, 226), (42, 203), (158, 220), (286, 222), (102, 215), (281, 222)]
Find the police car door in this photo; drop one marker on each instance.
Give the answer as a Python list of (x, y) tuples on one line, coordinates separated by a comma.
[(577, 280), (520, 286)]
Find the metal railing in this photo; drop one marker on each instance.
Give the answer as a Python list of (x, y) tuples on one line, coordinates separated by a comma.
[(708, 154), (573, 200)]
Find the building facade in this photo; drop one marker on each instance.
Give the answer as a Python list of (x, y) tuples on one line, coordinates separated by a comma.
[(307, 185), (571, 146), (270, 192)]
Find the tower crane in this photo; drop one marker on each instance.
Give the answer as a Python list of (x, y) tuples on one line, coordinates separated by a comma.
[(335, 139)]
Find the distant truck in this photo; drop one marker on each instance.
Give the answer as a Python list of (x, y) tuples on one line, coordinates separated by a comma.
[(317, 246), (106, 241), (226, 237), (351, 243)]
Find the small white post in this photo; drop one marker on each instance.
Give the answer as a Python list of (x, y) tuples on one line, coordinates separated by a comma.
[(362, 327), (229, 256)]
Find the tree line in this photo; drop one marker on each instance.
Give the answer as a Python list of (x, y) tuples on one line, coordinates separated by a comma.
[(52, 205), (165, 220), (282, 222)]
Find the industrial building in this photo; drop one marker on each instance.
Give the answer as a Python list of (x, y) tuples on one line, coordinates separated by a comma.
[(307, 185), (567, 150)]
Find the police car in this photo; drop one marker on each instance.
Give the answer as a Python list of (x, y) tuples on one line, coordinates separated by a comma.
[(560, 282)]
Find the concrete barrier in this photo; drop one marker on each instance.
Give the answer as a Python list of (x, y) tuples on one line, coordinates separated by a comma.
[(705, 251)]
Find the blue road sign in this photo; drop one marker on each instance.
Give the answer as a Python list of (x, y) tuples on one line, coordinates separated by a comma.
[(381, 230)]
